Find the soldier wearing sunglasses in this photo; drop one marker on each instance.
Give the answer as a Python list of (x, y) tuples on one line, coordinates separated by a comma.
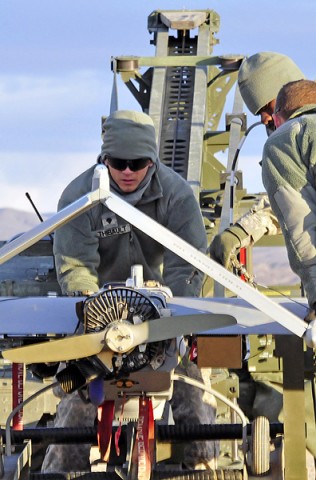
[(100, 247)]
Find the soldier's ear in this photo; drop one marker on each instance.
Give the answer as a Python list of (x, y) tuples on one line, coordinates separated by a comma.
[(277, 119)]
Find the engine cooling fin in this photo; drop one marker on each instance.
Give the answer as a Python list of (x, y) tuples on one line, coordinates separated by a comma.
[(116, 304)]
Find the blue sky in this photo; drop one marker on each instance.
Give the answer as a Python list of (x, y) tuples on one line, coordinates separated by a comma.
[(56, 80)]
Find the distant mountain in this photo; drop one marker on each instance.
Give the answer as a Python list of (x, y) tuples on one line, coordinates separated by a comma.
[(14, 221), (271, 267)]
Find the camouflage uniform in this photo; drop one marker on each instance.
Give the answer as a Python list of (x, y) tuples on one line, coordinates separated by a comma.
[(71, 413), (191, 406), (259, 221), (187, 406)]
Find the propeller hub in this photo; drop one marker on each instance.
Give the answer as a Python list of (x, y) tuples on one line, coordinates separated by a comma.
[(119, 337)]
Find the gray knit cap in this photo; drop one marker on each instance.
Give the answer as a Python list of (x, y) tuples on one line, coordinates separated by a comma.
[(129, 135), (262, 75)]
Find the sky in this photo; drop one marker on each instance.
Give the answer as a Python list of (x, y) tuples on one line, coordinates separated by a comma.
[(56, 79)]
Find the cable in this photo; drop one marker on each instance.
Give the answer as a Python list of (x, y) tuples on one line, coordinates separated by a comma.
[(283, 295), (16, 409), (234, 163)]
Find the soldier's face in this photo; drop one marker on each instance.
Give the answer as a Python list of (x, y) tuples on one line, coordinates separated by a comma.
[(266, 113), (126, 179)]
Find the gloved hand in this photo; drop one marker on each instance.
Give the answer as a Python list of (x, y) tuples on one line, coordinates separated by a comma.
[(227, 244)]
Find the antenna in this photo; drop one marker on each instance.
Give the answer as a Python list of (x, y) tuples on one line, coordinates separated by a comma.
[(28, 196)]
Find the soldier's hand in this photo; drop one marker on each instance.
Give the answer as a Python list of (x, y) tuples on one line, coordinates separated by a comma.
[(226, 245)]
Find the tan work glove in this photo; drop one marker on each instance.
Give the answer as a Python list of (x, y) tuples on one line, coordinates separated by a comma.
[(226, 245)]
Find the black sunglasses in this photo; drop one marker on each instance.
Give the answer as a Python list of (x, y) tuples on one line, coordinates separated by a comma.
[(133, 165)]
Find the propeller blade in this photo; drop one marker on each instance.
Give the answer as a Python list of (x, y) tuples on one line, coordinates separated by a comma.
[(119, 337), (165, 328), (68, 348)]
